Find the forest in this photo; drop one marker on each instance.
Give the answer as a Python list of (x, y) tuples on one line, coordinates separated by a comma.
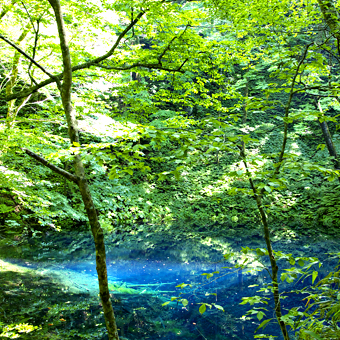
[(169, 169)]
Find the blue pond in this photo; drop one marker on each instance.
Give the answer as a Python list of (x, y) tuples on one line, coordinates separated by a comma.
[(141, 282)]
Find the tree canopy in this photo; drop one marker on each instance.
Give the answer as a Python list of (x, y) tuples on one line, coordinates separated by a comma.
[(117, 114)]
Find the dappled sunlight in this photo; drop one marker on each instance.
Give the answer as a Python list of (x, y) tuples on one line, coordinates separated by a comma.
[(15, 176), (102, 125), (163, 174), (295, 149)]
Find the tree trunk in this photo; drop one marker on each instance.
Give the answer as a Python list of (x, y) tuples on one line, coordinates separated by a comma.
[(331, 16), (73, 131), (258, 198), (330, 146), (328, 140), (273, 263), (12, 111)]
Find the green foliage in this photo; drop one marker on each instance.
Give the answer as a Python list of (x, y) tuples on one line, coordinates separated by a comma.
[(191, 136)]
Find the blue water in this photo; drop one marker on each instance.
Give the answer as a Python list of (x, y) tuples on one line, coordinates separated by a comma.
[(153, 281), (160, 278), (163, 277)]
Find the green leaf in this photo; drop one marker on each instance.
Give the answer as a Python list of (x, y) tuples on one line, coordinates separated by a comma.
[(301, 263), (208, 275), (261, 251), (234, 218), (202, 308), (182, 285), (218, 307), (184, 302), (314, 276), (166, 303), (177, 174), (263, 324), (314, 335), (260, 315), (267, 188)]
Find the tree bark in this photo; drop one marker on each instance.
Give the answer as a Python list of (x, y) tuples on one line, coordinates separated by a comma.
[(73, 131), (330, 146), (331, 16), (328, 140), (12, 110), (273, 263)]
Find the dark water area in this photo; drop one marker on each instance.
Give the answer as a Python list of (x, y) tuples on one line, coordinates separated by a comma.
[(141, 281)]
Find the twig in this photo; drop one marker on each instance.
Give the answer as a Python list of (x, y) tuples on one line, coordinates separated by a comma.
[(201, 333)]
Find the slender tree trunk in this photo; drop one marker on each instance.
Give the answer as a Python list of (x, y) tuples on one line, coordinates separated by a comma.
[(244, 106), (73, 131), (12, 110), (330, 146), (328, 140), (273, 263), (245, 111), (331, 16), (258, 198)]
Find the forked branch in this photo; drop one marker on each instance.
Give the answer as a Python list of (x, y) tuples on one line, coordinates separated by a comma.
[(28, 57), (54, 168)]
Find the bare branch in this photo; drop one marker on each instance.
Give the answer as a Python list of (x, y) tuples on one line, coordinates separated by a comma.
[(57, 78), (34, 50), (54, 168), (22, 104), (171, 41), (28, 14), (7, 8), (95, 62), (27, 57), (35, 121), (287, 109), (32, 89), (157, 66), (151, 66)]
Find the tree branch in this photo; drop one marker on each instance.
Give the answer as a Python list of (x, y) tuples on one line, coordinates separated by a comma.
[(57, 78), (27, 57), (287, 109), (157, 66), (54, 168), (7, 8), (35, 121), (95, 62)]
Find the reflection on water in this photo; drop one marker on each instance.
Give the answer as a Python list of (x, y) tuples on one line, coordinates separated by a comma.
[(140, 286)]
